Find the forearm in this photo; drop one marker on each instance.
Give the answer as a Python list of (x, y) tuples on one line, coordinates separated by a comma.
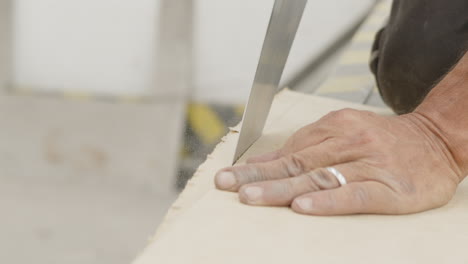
[(446, 110)]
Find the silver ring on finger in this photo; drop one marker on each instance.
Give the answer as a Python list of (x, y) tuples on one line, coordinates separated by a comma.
[(340, 177)]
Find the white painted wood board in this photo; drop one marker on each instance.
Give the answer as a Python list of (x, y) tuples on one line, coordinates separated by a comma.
[(209, 226)]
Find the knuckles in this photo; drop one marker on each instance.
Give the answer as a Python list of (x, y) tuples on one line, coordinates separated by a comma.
[(344, 115), (361, 196), (295, 164), (322, 179), (349, 115)]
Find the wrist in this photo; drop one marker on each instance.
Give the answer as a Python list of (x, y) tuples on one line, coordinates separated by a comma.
[(430, 129), (445, 113)]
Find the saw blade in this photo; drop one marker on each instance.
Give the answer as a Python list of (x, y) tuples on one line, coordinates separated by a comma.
[(284, 22)]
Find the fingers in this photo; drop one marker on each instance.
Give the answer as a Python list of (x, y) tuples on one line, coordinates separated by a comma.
[(282, 192), (323, 155), (265, 157), (231, 179), (310, 135), (368, 197)]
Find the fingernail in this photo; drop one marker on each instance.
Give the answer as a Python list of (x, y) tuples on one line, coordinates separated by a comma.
[(305, 204), (225, 180), (253, 193)]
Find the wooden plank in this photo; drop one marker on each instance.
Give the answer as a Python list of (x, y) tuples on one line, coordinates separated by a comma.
[(5, 43), (209, 226)]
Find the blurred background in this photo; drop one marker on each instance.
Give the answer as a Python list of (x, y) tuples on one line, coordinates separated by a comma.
[(108, 107)]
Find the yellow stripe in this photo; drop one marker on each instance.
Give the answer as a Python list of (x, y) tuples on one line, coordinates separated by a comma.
[(346, 84), (380, 13), (205, 123), (355, 57), (129, 99), (358, 57), (76, 95), (384, 6), (364, 37), (22, 91), (239, 110), (377, 21)]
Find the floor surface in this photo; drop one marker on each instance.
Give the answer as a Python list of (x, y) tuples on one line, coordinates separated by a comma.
[(75, 224), (83, 182)]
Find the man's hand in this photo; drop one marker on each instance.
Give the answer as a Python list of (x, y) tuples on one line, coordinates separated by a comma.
[(393, 165)]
